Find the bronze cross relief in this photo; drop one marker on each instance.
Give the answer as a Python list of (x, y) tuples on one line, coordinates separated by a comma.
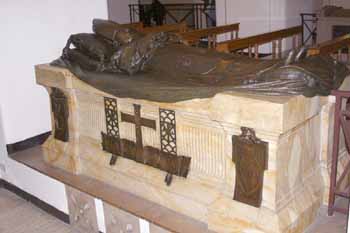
[(165, 159), (139, 122)]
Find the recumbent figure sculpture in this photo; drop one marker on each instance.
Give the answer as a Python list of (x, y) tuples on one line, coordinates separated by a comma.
[(158, 67)]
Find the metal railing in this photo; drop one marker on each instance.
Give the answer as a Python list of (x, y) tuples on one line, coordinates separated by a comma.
[(196, 16), (309, 24)]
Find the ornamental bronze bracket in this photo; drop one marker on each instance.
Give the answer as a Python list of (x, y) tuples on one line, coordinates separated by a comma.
[(250, 155), (60, 110)]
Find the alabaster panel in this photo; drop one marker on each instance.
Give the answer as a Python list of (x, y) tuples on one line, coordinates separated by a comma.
[(50, 76), (298, 110), (82, 211), (248, 112), (92, 118), (297, 159), (207, 149), (119, 221)]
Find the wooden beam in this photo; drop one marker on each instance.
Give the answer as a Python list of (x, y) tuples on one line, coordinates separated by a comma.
[(194, 36), (244, 43), (138, 26), (176, 28)]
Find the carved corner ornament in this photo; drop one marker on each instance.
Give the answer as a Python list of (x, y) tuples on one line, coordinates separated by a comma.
[(250, 155), (60, 109)]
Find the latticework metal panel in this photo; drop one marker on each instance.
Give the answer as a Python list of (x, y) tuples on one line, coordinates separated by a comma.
[(167, 131), (111, 111)]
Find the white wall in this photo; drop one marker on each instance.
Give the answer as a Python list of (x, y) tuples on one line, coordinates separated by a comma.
[(34, 32), (118, 10)]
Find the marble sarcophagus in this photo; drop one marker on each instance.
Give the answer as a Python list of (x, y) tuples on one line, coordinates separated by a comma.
[(238, 162)]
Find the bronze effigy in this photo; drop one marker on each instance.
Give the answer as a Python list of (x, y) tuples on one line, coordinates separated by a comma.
[(250, 155), (59, 106), (159, 67)]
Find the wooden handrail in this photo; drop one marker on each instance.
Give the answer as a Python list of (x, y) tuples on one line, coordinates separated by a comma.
[(138, 26), (176, 28), (192, 37), (331, 46), (257, 40)]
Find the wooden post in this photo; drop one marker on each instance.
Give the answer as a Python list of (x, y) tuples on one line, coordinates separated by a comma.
[(279, 48), (209, 41), (274, 46), (232, 35), (339, 55), (250, 51), (256, 51), (237, 34)]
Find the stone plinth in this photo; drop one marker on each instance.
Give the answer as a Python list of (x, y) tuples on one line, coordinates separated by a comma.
[(295, 128)]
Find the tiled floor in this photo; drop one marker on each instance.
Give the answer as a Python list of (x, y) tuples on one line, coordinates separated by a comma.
[(19, 216)]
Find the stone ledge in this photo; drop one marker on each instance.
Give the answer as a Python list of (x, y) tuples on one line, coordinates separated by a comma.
[(128, 202)]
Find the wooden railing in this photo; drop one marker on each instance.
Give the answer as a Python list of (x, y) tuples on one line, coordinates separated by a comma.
[(176, 28), (336, 46), (194, 37), (253, 42), (138, 26)]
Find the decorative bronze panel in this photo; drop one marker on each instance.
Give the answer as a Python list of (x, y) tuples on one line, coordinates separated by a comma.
[(110, 144), (167, 131), (250, 155), (111, 111), (165, 159), (139, 122), (112, 127), (174, 165), (59, 106)]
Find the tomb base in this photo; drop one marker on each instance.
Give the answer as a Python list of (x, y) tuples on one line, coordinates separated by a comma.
[(281, 142)]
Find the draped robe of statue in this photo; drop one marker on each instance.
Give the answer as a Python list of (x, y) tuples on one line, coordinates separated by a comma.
[(160, 68)]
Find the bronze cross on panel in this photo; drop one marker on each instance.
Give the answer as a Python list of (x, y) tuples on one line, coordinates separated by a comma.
[(139, 122)]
